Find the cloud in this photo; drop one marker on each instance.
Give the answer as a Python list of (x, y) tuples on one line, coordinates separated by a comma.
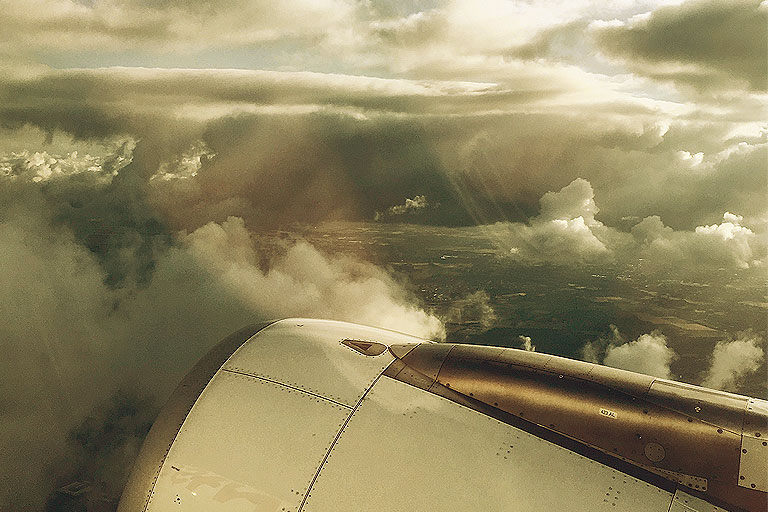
[(100, 451), (410, 207), (148, 302), (559, 42), (732, 360), (566, 232), (40, 166), (134, 24), (703, 43), (212, 175), (47, 376), (485, 151), (301, 281), (410, 37), (648, 354), (728, 244), (563, 232), (526, 343), (212, 93)]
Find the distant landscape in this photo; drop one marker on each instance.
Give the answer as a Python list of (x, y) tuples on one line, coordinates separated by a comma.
[(486, 297)]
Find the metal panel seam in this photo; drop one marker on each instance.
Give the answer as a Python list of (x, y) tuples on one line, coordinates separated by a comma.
[(244, 374), (672, 501), (645, 395), (338, 436), (442, 363)]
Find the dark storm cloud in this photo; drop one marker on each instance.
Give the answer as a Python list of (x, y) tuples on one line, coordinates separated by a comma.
[(308, 169), (276, 147), (703, 43), (126, 92)]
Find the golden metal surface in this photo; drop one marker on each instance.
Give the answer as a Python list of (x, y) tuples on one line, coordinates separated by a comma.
[(687, 480), (687, 434), (756, 418)]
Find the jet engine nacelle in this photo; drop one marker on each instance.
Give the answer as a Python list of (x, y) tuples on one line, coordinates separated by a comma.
[(321, 416)]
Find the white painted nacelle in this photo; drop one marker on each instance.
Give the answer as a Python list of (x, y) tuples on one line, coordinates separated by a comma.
[(308, 415)]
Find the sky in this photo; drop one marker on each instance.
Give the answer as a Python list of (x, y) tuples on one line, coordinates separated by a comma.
[(147, 148)]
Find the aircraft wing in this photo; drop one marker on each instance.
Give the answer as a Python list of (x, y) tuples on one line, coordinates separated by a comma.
[(318, 416)]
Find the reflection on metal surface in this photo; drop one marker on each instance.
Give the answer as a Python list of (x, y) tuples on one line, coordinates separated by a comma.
[(756, 418), (400, 350), (205, 487), (427, 359), (368, 348), (307, 354), (753, 463), (688, 434), (255, 440), (725, 410)]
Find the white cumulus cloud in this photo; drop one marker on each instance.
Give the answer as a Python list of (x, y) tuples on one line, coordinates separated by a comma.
[(526, 343), (648, 354), (732, 360), (419, 202), (565, 231), (728, 244)]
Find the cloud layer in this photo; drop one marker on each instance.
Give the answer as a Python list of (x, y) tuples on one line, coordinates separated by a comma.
[(483, 150), (704, 43), (566, 232)]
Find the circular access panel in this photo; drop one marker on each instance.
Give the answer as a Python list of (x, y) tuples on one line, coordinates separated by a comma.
[(655, 452)]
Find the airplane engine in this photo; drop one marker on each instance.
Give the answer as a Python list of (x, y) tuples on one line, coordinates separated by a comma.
[(306, 415)]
